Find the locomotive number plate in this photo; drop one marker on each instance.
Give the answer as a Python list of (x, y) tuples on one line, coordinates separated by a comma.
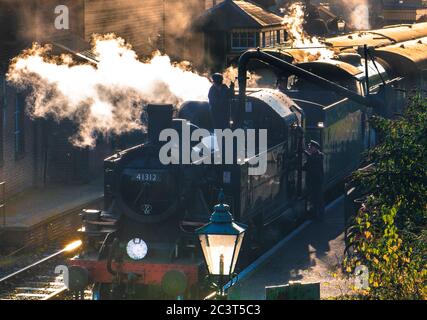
[(147, 177)]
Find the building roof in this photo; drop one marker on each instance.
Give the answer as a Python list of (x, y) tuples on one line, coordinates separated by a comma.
[(259, 14), (234, 14)]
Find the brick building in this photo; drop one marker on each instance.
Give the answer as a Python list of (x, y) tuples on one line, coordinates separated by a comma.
[(233, 26), (403, 11), (37, 152)]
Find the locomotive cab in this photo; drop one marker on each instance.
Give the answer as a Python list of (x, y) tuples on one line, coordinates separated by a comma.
[(284, 122)]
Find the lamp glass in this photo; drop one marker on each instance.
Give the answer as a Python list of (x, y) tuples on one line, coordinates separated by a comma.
[(237, 251), (220, 252)]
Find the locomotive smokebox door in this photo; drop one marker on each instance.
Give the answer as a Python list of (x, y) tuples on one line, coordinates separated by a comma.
[(159, 119)]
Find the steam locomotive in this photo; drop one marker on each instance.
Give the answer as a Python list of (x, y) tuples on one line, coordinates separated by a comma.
[(142, 245)]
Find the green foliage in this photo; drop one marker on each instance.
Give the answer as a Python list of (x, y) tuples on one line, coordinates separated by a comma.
[(389, 233)]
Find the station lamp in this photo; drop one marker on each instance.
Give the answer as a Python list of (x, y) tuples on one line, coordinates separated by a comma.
[(221, 240)]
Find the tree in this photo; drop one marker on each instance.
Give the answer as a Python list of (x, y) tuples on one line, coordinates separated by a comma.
[(388, 234)]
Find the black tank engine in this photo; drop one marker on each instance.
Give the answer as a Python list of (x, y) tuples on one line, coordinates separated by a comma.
[(143, 246)]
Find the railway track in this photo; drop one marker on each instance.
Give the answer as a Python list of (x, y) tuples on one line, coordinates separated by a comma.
[(38, 281)]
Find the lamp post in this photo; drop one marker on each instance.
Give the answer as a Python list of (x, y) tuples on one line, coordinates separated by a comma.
[(221, 240)]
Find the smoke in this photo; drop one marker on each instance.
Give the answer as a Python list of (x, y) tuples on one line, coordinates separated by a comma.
[(294, 24), (359, 16), (106, 98), (354, 11), (231, 74)]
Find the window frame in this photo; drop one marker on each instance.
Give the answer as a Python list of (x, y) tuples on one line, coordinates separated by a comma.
[(271, 38), (243, 37)]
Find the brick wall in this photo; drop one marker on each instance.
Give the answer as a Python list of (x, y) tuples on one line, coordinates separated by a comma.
[(30, 20), (148, 25), (47, 156), (17, 170), (69, 164), (45, 19)]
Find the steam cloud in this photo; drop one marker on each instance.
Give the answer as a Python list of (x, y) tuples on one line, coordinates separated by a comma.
[(354, 11), (106, 98), (294, 23), (359, 15)]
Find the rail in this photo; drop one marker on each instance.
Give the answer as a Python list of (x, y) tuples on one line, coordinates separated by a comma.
[(37, 285)]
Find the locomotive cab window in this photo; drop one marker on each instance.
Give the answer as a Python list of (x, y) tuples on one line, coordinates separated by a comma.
[(299, 88)]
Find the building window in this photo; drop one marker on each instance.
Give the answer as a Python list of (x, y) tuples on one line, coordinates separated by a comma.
[(243, 40), (19, 125), (285, 36), (273, 38), (270, 38), (267, 39)]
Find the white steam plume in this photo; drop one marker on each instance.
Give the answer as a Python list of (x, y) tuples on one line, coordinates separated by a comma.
[(106, 98), (314, 49), (360, 14), (356, 12)]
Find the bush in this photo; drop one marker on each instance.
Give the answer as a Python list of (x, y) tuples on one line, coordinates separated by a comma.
[(389, 234)]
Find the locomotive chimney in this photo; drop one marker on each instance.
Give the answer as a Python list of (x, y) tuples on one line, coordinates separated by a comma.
[(159, 118)]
